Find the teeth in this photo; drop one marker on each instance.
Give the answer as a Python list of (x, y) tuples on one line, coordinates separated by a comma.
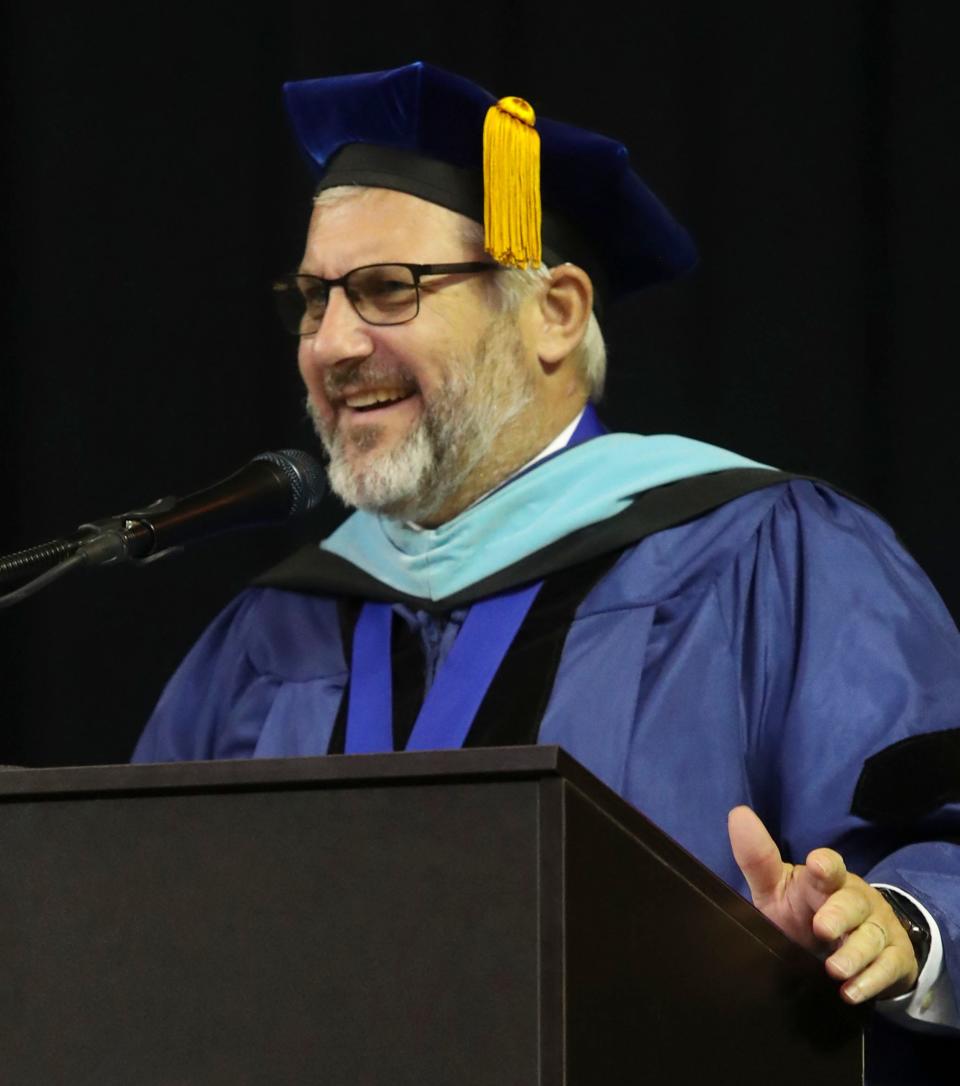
[(374, 396)]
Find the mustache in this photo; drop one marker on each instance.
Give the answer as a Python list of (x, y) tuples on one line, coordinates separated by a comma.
[(367, 373)]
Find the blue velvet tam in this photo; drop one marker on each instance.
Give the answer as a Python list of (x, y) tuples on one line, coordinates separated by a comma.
[(419, 129)]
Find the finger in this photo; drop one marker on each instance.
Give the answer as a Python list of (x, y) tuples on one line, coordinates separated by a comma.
[(827, 867), (756, 853), (842, 912), (862, 947), (890, 974)]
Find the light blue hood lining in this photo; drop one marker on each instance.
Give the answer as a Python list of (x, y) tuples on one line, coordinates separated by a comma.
[(584, 484)]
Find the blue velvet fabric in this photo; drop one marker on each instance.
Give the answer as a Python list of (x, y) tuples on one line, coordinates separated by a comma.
[(758, 654), (586, 179)]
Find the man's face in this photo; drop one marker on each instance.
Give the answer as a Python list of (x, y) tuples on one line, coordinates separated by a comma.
[(411, 415)]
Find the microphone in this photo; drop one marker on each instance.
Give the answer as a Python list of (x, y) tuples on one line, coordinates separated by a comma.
[(273, 487)]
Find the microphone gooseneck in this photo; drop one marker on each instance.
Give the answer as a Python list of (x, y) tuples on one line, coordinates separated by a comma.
[(13, 567)]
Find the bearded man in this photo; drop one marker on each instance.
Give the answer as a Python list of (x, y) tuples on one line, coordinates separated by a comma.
[(705, 634)]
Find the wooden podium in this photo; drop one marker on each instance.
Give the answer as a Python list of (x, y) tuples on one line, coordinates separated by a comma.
[(470, 917)]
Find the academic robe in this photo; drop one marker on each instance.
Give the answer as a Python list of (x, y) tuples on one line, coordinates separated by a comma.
[(780, 649)]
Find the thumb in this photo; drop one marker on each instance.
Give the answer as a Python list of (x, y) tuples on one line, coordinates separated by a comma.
[(756, 854)]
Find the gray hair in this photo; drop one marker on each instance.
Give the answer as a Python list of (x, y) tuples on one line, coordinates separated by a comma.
[(508, 292)]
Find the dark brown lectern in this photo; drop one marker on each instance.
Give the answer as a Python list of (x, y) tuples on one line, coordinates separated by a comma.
[(473, 917)]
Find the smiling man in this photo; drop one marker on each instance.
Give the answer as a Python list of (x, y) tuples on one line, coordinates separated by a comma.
[(709, 636)]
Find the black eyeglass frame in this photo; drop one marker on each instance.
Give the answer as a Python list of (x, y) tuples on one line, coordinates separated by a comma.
[(291, 282)]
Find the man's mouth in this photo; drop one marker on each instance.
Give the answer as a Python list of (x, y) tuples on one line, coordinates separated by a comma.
[(374, 399)]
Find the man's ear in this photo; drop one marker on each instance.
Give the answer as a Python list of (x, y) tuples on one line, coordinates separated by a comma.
[(565, 307)]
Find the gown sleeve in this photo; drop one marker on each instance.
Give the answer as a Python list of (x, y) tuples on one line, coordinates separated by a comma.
[(849, 662), (215, 703)]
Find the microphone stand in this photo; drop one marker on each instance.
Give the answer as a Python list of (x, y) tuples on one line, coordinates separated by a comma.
[(104, 542), (13, 567), (270, 488), (48, 577)]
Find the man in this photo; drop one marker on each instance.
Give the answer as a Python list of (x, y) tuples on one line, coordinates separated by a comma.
[(665, 610)]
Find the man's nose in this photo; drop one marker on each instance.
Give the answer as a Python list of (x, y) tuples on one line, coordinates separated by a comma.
[(343, 335)]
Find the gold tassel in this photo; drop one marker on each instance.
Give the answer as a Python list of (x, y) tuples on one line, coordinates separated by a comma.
[(511, 184)]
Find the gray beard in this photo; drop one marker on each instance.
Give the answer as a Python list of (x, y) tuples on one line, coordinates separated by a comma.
[(453, 437)]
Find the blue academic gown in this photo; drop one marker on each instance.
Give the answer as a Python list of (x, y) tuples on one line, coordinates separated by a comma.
[(759, 654)]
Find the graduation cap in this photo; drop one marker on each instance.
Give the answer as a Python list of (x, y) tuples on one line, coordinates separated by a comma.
[(433, 134)]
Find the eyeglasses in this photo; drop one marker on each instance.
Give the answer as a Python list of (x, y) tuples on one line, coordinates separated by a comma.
[(380, 293)]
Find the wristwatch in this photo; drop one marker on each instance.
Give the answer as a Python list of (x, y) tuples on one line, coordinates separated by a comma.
[(912, 920)]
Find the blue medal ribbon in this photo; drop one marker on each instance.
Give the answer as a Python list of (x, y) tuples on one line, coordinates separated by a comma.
[(465, 675)]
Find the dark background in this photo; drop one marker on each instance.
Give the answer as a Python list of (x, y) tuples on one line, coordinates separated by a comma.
[(153, 190)]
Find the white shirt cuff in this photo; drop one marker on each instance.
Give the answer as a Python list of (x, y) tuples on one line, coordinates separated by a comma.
[(930, 1006)]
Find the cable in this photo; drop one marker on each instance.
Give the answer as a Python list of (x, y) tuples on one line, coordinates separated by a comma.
[(42, 581), (13, 567)]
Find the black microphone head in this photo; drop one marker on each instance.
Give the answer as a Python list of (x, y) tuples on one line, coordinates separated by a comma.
[(308, 481)]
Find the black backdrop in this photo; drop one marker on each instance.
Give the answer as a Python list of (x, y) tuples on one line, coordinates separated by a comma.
[(153, 189)]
